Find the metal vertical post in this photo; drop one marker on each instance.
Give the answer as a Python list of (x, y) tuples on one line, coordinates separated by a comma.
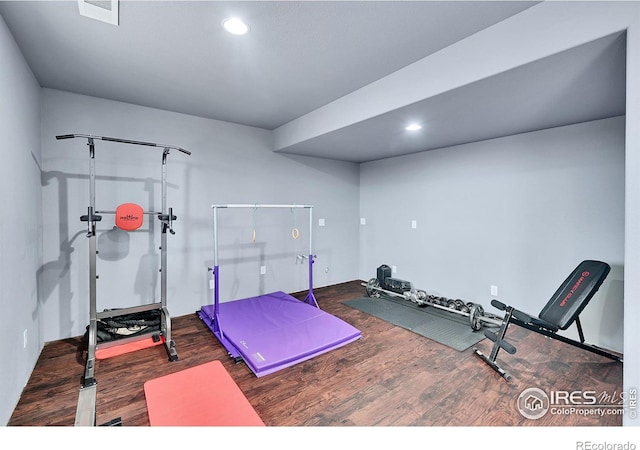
[(167, 217), (85, 412), (216, 279), (310, 298), (93, 251), (163, 234)]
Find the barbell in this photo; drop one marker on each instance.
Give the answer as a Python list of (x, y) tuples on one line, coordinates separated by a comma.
[(473, 311)]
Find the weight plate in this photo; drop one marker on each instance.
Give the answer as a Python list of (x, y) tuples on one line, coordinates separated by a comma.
[(474, 317), (372, 288)]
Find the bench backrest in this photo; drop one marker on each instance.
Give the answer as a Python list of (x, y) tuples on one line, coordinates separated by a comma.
[(575, 293)]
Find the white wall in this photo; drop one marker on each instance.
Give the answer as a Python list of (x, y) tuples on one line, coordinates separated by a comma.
[(20, 228), (518, 212), (229, 164), (631, 373)]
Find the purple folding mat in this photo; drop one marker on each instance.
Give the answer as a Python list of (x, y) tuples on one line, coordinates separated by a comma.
[(274, 331)]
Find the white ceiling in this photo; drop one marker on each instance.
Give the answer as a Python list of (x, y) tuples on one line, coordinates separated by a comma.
[(302, 55)]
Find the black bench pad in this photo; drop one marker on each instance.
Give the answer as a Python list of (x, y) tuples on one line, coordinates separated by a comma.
[(574, 293)]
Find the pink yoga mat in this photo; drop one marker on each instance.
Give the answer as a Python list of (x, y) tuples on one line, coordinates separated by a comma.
[(204, 395)]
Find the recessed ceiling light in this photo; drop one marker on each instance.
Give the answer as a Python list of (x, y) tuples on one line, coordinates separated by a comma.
[(235, 26), (413, 127)]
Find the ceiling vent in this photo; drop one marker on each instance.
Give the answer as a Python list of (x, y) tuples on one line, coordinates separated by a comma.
[(102, 10)]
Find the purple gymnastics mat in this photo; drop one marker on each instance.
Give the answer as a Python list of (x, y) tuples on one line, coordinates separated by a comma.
[(274, 331)]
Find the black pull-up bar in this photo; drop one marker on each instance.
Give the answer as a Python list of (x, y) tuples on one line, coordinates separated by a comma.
[(124, 141)]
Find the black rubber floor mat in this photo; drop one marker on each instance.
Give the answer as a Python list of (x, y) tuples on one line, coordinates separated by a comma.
[(450, 329)]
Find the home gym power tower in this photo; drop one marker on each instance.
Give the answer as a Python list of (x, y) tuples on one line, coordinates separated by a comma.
[(85, 413)]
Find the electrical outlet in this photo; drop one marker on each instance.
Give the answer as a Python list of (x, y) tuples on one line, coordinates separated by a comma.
[(394, 269), (210, 284), (24, 339), (363, 221), (263, 270), (494, 290), (320, 222), (414, 224)]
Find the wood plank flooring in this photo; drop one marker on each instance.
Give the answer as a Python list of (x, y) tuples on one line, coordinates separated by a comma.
[(389, 377)]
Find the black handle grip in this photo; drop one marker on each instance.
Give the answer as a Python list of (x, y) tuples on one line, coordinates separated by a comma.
[(496, 304)]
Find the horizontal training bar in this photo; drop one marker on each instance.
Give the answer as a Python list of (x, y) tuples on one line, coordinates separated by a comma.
[(113, 212), (124, 141), (130, 310), (261, 206)]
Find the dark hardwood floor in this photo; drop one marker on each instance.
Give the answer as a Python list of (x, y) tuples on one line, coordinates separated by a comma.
[(389, 377)]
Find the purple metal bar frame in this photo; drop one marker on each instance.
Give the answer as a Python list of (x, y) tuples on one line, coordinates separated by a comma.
[(214, 322), (310, 298)]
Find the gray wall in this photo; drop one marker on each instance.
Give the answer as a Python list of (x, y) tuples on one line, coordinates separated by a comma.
[(229, 164), (20, 228), (540, 31), (518, 212)]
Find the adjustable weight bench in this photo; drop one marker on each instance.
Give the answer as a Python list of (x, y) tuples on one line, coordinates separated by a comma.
[(559, 313)]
